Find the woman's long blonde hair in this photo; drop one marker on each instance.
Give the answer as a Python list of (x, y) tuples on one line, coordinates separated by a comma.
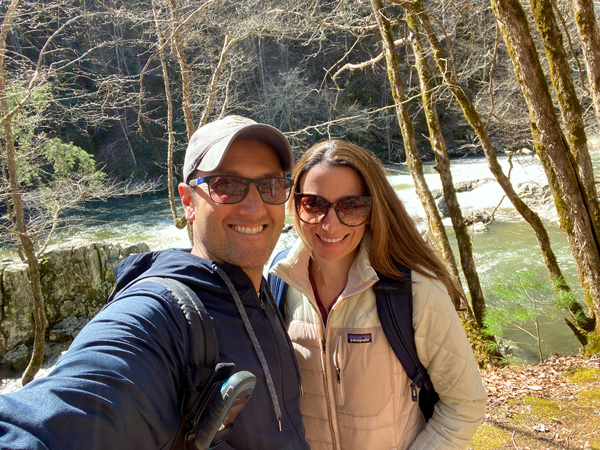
[(394, 235)]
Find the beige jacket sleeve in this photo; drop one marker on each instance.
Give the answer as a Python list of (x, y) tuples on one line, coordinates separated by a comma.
[(446, 353)]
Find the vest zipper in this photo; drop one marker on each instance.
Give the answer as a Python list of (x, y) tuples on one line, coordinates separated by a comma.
[(263, 306), (338, 371), (326, 375), (413, 390)]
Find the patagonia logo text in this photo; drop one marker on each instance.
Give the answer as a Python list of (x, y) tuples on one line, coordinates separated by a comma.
[(359, 338)]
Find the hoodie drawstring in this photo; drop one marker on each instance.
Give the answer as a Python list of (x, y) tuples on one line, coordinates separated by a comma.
[(288, 339), (253, 338)]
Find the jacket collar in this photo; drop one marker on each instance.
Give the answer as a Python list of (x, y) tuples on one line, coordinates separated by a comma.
[(293, 269)]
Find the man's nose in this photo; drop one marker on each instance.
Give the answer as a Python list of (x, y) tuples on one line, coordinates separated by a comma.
[(253, 202)]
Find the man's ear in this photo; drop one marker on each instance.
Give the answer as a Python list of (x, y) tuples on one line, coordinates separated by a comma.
[(185, 192)]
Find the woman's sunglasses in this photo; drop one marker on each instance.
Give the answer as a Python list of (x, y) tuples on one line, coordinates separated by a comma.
[(351, 211)]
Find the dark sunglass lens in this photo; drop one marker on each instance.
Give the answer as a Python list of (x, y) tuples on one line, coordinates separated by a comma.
[(312, 208), (274, 190), (353, 211), (227, 189)]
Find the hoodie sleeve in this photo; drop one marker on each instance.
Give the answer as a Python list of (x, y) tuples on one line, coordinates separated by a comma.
[(115, 388), (446, 353)]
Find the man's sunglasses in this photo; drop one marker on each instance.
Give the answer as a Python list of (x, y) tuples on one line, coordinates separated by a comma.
[(351, 211), (228, 189)]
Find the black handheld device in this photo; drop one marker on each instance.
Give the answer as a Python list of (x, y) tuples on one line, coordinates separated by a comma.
[(223, 409)]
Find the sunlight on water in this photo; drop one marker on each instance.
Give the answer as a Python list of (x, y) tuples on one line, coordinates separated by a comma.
[(487, 195), (128, 221)]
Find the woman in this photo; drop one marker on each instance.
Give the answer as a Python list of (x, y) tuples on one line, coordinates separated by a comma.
[(356, 394)]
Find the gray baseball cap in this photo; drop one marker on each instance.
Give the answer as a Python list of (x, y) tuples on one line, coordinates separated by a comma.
[(210, 143)]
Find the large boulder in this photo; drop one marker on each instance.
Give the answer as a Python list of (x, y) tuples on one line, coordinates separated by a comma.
[(534, 193), (76, 282)]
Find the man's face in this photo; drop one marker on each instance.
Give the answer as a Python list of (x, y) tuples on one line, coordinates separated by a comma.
[(243, 233)]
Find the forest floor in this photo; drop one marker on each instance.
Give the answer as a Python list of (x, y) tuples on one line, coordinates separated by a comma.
[(553, 405)]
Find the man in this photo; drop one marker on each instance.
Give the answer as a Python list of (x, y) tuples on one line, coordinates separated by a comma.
[(120, 384)]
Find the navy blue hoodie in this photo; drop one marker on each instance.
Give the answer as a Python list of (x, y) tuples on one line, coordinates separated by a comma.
[(119, 385)]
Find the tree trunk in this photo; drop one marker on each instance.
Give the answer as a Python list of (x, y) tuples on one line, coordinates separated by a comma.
[(186, 90), (585, 18), (179, 222), (412, 155), (39, 315), (572, 114), (438, 144), (552, 148), (478, 126), (186, 105), (214, 81), (568, 101)]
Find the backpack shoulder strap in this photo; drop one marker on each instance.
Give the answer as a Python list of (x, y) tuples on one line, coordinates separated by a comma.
[(203, 369), (395, 308), (201, 332), (277, 285)]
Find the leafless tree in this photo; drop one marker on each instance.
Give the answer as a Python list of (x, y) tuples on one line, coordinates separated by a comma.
[(412, 154), (444, 65), (42, 175)]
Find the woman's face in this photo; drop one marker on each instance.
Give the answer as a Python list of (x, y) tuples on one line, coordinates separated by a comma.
[(331, 240)]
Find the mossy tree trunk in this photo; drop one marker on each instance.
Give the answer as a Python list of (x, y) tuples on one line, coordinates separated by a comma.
[(587, 26), (571, 110), (450, 79), (570, 106), (438, 144), (554, 152), (39, 315), (410, 145), (485, 353)]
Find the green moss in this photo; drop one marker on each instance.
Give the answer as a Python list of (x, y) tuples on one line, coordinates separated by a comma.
[(47, 274), (589, 398), (484, 347), (490, 437), (593, 346), (538, 409), (583, 375), (543, 408), (595, 443)]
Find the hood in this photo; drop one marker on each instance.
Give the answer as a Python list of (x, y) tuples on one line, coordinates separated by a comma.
[(181, 265)]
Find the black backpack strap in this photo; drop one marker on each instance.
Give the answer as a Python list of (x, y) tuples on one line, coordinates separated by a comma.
[(395, 308), (202, 370), (277, 285)]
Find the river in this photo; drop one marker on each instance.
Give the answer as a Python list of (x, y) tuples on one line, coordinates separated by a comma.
[(505, 247)]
